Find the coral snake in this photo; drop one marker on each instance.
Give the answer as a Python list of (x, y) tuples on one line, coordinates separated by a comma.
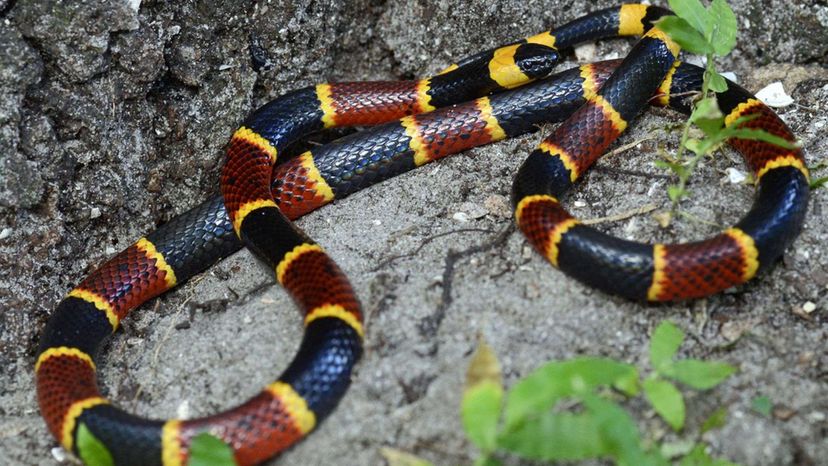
[(421, 124)]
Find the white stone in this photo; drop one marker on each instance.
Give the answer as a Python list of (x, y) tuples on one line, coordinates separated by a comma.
[(585, 53), (183, 410), (59, 454), (774, 95), (461, 217), (736, 176)]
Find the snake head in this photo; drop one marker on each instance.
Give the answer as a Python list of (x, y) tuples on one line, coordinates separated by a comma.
[(535, 60)]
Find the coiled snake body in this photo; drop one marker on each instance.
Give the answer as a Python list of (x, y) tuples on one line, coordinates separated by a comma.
[(421, 121)]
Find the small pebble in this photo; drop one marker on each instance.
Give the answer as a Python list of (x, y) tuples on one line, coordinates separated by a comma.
[(59, 454), (783, 413), (733, 330), (806, 358), (580, 204), (585, 53), (183, 410), (461, 217), (631, 227), (94, 212), (736, 176), (5, 233), (800, 312), (474, 211), (816, 416), (377, 223), (809, 307)]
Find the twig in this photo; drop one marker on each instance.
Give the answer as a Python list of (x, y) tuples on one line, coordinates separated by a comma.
[(626, 147)]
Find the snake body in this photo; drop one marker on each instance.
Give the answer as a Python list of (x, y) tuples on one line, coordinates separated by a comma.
[(421, 121)]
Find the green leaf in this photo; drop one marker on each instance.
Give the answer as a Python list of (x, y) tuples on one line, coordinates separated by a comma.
[(700, 146), (716, 82), (819, 182), (664, 344), (697, 457), (694, 13), (485, 461), (676, 167), (91, 450), (482, 398), (762, 405), (480, 413), (715, 420), (698, 374), (209, 450), (712, 128), (396, 457), (675, 192), (706, 109), (619, 433), (677, 448), (555, 437), (721, 462), (667, 401), (724, 31), (540, 390), (760, 135), (684, 34)]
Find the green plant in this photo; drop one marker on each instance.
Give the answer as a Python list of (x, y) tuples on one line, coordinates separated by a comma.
[(711, 32), (817, 183), (91, 450), (205, 450), (762, 405), (570, 410), (209, 450)]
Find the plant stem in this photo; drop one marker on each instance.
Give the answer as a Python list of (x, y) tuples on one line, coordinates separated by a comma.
[(690, 165)]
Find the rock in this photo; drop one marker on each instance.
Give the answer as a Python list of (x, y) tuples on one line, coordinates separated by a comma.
[(75, 34), (20, 66)]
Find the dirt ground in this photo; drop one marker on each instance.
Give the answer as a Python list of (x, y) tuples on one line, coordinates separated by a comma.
[(113, 117)]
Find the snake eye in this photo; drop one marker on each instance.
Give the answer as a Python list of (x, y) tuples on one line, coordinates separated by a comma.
[(536, 60)]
